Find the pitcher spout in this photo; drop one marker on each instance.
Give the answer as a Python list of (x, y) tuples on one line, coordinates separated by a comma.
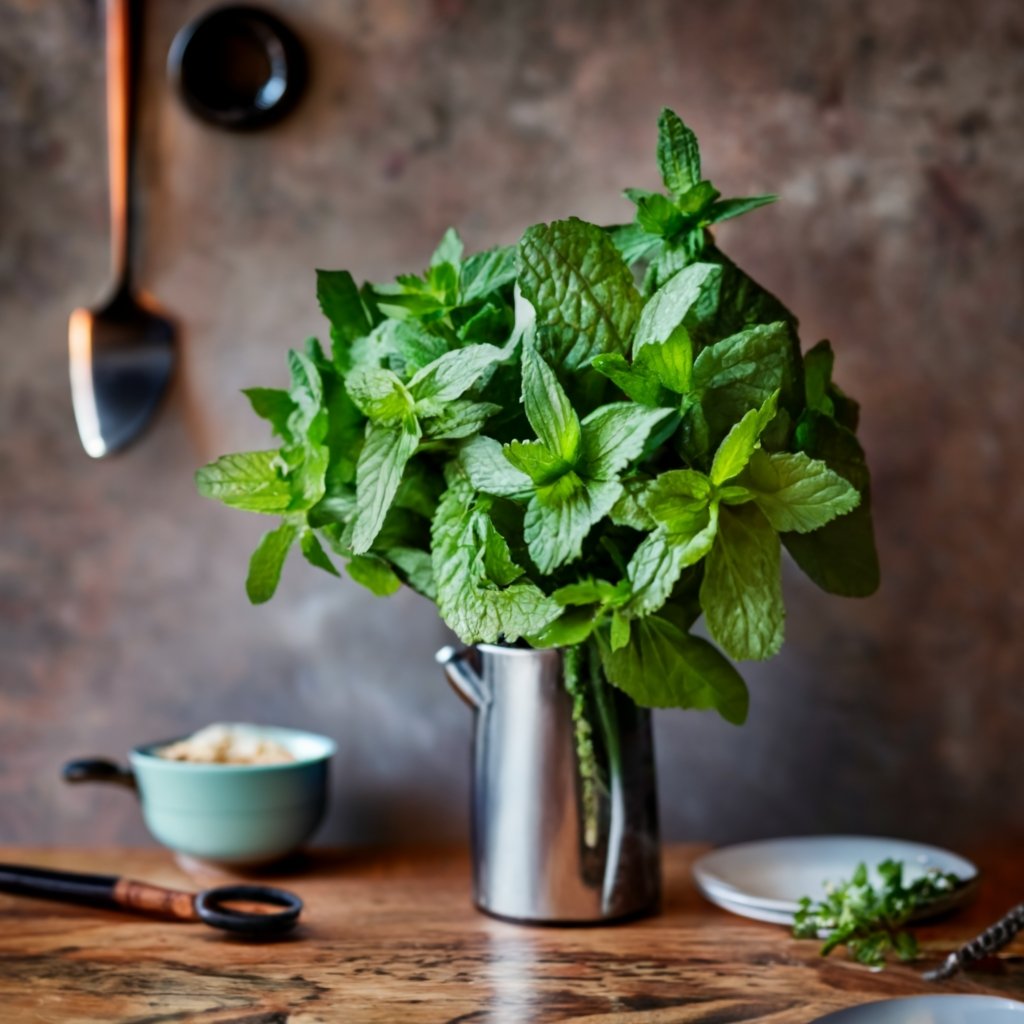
[(461, 675)]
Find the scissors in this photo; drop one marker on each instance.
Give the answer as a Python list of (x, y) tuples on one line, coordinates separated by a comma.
[(110, 891)]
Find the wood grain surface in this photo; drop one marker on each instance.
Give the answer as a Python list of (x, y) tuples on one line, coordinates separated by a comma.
[(391, 936)]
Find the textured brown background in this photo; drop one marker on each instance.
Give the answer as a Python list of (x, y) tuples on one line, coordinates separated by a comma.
[(892, 132)]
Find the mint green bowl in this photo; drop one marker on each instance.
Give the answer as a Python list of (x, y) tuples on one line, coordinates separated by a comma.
[(229, 814)]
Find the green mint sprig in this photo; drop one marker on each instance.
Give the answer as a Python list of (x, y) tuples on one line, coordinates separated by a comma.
[(554, 454), (869, 919)]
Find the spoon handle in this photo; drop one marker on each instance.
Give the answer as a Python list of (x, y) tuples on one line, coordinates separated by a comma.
[(122, 37), (991, 940)]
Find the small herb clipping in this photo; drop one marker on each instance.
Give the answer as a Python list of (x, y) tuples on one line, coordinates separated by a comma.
[(869, 920), (590, 439)]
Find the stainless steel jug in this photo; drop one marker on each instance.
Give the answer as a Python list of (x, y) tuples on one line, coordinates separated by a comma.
[(564, 813)]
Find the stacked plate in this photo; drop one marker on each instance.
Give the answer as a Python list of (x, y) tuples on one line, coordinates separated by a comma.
[(931, 1010), (766, 880)]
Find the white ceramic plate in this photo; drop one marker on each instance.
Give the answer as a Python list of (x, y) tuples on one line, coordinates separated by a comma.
[(753, 912), (931, 1010), (772, 875)]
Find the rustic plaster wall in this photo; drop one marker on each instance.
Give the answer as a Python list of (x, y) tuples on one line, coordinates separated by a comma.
[(891, 130)]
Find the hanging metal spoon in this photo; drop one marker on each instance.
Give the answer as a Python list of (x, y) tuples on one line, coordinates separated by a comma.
[(122, 355)]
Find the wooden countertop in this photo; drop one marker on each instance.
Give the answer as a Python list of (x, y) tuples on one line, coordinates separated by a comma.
[(391, 936)]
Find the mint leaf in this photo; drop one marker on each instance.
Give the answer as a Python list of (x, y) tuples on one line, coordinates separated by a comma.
[(420, 489), (490, 471), (867, 919), (345, 428), (536, 460), (637, 195), (725, 209), (449, 249), (841, 556), (408, 346), (742, 371), (379, 394), (694, 432), (796, 492), (379, 347), (695, 201), (633, 242), (373, 573), (636, 381), (663, 344), (306, 475), (662, 556), (588, 591), (678, 154), (306, 392), (416, 568), (249, 480), (613, 436), (734, 494), (487, 272), (742, 589), (662, 666), (628, 510), (560, 515), (267, 561), (461, 418), (429, 298), (656, 214), (273, 405), (685, 249), (450, 376), (547, 407), (336, 509), (499, 565), (569, 630), (583, 293), (672, 498), (669, 362), (315, 554), (741, 302), (818, 376), (472, 604), (341, 303), (485, 323), (680, 304), (822, 394), (739, 444), (620, 632), (382, 461)]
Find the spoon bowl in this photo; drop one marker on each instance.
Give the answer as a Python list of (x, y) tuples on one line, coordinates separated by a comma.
[(122, 359)]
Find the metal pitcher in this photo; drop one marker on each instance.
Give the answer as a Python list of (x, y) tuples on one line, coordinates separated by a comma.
[(558, 838)]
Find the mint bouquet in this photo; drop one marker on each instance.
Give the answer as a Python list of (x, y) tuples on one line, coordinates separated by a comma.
[(588, 440)]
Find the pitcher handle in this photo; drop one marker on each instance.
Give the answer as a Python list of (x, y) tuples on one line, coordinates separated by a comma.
[(461, 676)]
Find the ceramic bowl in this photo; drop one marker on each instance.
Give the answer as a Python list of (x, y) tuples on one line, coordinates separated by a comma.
[(225, 813)]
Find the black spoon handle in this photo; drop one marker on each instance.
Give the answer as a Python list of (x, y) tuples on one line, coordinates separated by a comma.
[(122, 46)]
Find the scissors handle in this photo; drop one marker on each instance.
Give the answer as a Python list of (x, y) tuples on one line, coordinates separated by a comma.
[(211, 907), (154, 899)]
